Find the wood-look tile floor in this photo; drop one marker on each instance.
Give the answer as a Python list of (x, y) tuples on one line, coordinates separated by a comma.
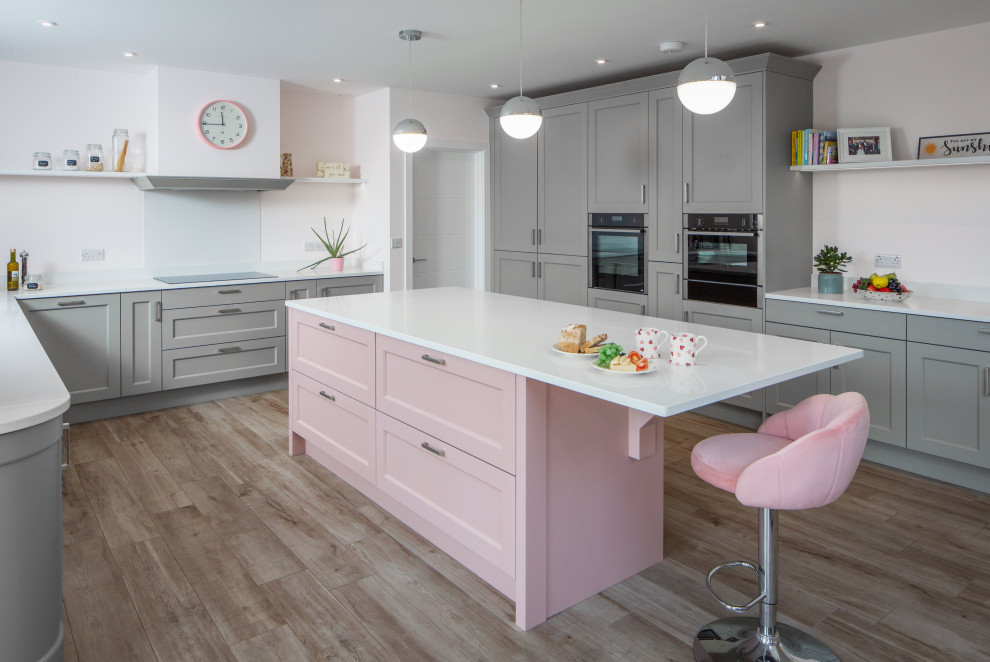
[(191, 535)]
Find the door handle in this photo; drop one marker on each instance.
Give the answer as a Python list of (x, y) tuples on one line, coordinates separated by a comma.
[(227, 311), (325, 291), (643, 194), (986, 382), (328, 396), (539, 237), (834, 313), (419, 259), (229, 350), (158, 311), (533, 271), (677, 243), (72, 303), (534, 237), (677, 284), (67, 438), (427, 357), (539, 270), (230, 291), (435, 451), (328, 327), (686, 196)]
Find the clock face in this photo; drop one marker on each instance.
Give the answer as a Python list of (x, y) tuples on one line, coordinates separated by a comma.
[(223, 124)]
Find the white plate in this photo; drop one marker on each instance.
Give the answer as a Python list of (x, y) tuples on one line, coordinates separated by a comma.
[(652, 368), (572, 354)]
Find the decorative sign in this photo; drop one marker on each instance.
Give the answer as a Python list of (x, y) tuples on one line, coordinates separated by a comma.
[(954, 147)]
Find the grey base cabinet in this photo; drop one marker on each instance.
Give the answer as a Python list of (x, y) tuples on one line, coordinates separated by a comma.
[(949, 395), (300, 289), (739, 318), (663, 287), (193, 366), (785, 395), (140, 342), (622, 302), (338, 287), (515, 274), (562, 278), (82, 338)]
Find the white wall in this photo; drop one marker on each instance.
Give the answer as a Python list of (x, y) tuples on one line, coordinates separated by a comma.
[(934, 218)]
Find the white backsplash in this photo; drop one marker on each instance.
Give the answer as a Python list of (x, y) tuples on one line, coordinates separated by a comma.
[(193, 228)]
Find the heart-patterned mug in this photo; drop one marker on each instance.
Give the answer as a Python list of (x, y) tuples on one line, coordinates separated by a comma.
[(684, 348), (649, 341)]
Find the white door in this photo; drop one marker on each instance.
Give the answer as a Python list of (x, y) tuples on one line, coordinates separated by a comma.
[(444, 219)]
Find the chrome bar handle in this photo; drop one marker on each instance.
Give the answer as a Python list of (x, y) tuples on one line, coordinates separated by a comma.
[(677, 243), (739, 609), (230, 291), (67, 444), (539, 237), (986, 382), (686, 196), (539, 270), (983, 331), (226, 311), (834, 313), (158, 311), (533, 270), (229, 350), (435, 451), (72, 303), (328, 327), (677, 284), (328, 396), (643, 195), (427, 357), (533, 239)]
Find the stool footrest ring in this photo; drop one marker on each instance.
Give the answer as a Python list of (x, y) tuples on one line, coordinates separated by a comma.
[(739, 609)]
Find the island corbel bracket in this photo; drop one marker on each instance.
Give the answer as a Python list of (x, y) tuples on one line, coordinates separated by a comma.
[(645, 432)]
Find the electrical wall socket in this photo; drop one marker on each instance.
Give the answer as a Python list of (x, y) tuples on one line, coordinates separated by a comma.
[(396, 242), (887, 261), (311, 246), (93, 255)]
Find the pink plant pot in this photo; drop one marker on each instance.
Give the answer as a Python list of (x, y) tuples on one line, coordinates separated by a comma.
[(336, 264)]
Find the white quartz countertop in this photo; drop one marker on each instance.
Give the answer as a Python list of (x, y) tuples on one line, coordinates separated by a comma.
[(977, 311), (516, 334)]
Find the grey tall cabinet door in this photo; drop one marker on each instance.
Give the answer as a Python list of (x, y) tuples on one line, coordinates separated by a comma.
[(880, 377), (783, 396), (663, 287), (515, 273), (665, 175), (81, 336), (140, 342), (949, 396), (514, 191), (618, 154), (723, 153), (563, 170), (563, 278)]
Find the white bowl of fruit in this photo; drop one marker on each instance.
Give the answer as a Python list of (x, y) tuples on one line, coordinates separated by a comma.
[(884, 287)]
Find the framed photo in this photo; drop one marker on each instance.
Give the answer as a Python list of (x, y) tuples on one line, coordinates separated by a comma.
[(858, 145), (954, 147)]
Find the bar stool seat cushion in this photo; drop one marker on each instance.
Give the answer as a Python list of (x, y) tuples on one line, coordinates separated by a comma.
[(719, 460)]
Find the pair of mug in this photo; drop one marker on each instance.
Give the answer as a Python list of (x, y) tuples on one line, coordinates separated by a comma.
[(684, 347)]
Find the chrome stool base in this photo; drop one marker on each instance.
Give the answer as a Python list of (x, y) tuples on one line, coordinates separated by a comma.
[(736, 640)]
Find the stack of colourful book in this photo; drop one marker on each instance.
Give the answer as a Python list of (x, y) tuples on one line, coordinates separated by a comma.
[(814, 147)]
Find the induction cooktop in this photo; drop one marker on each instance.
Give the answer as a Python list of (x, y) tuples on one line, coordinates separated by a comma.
[(206, 278)]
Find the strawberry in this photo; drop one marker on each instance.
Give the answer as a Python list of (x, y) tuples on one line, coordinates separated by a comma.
[(885, 289)]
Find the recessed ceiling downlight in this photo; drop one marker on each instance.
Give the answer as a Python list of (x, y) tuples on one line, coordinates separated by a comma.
[(47, 24), (760, 24), (129, 54)]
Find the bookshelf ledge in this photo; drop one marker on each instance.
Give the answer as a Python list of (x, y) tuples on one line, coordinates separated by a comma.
[(330, 180), (880, 165), (82, 174)]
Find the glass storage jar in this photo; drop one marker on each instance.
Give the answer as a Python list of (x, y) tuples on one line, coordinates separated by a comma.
[(70, 159), (42, 161), (94, 157), (119, 145)]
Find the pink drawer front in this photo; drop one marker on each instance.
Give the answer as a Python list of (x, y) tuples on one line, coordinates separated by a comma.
[(468, 499), (340, 426), (335, 354), (468, 405)]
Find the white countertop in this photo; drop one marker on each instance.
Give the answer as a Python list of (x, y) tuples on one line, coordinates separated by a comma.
[(516, 334), (977, 311)]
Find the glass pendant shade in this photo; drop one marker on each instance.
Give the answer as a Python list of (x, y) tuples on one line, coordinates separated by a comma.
[(409, 135), (706, 86), (520, 117)]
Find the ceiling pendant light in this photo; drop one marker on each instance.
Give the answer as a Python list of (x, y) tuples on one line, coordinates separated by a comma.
[(706, 85), (520, 116), (409, 135)]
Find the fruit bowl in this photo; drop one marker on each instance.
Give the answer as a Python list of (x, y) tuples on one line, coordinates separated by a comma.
[(881, 288), (885, 296)]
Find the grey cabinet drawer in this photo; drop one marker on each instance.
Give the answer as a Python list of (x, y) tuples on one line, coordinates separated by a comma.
[(222, 294), (192, 366), (623, 302), (838, 318), (343, 285), (300, 289), (951, 333), (209, 325)]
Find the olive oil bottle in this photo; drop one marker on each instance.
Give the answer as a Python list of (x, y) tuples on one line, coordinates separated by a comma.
[(13, 275)]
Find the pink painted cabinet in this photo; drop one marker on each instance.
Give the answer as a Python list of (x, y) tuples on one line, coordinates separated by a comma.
[(337, 355)]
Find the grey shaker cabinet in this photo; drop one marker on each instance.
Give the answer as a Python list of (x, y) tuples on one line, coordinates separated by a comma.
[(82, 338), (514, 191), (623, 302), (949, 397), (563, 278), (783, 396), (140, 342), (618, 154), (515, 274), (338, 287), (563, 173), (300, 289), (663, 287), (664, 221), (723, 153), (880, 377)]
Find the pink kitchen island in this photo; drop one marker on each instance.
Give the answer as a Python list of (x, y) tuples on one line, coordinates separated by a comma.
[(538, 472)]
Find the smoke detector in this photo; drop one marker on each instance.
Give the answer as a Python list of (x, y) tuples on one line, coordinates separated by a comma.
[(671, 46)]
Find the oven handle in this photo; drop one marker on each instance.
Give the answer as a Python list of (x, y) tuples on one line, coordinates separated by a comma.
[(622, 230), (707, 233)]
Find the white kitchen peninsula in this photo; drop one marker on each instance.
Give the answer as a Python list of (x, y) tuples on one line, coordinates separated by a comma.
[(537, 471)]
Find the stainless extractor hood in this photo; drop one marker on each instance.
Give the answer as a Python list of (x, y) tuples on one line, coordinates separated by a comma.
[(165, 183)]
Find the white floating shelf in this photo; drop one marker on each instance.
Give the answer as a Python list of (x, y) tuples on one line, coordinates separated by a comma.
[(331, 180), (84, 174), (881, 165)]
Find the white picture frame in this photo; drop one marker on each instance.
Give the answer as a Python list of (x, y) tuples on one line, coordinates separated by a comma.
[(860, 145)]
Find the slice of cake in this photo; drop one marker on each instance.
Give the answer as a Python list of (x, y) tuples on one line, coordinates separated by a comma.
[(572, 337)]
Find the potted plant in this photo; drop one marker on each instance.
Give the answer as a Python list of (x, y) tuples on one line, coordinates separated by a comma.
[(334, 243), (829, 263)]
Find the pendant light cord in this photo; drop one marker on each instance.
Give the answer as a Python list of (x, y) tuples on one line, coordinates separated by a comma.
[(410, 78), (520, 48), (706, 30)]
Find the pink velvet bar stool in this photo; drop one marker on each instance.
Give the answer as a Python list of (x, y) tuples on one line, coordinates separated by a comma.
[(801, 458)]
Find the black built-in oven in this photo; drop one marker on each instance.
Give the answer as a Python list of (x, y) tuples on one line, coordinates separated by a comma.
[(617, 252), (723, 258)]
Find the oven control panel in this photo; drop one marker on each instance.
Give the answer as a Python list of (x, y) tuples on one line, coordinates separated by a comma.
[(724, 222), (602, 220)]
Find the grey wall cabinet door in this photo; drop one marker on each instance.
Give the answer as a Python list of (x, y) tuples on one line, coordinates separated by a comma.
[(663, 286), (82, 338), (344, 285), (949, 412), (622, 302), (140, 342), (723, 153), (563, 171), (515, 274), (729, 317), (618, 154), (880, 377), (514, 191), (665, 221), (563, 278), (783, 396), (300, 289)]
